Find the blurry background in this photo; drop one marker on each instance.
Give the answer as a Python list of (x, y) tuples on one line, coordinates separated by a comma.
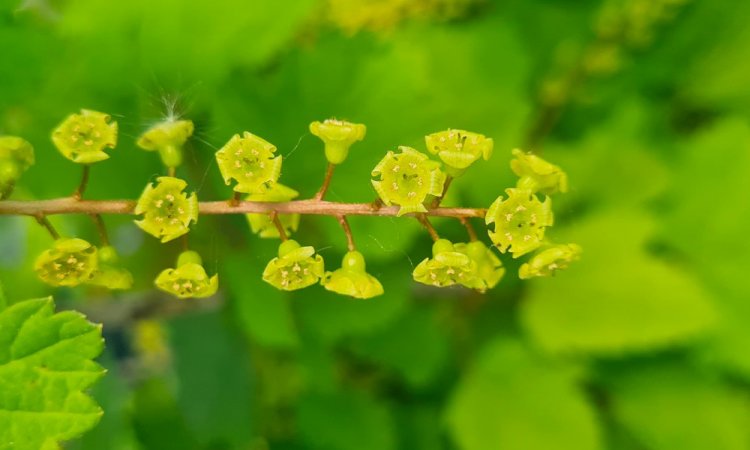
[(644, 344)]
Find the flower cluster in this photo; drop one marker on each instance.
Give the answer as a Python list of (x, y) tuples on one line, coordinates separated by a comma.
[(409, 179), (16, 155), (406, 179), (167, 210), (249, 161), (520, 219), (83, 138)]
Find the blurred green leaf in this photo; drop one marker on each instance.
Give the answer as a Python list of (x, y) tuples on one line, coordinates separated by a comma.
[(671, 407), (617, 298), (514, 399), (360, 422), (45, 366)]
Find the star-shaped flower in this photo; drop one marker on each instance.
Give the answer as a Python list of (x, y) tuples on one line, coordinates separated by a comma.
[(338, 136), (167, 210), (549, 261), (406, 179), (538, 175), (82, 138), (250, 161), (188, 279), (489, 268), (69, 262), (261, 224), (446, 267), (459, 149), (167, 138), (295, 268), (520, 221), (16, 156), (352, 279)]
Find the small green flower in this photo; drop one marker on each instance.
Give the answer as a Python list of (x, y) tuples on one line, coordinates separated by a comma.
[(69, 262), (189, 279), (537, 175), (250, 161), (261, 224), (352, 279), (295, 268), (519, 221), (549, 261), (16, 156), (108, 274), (83, 137), (489, 268), (167, 138), (338, 136), (459, 149), (406, 179), (446, 267), (167, 210)]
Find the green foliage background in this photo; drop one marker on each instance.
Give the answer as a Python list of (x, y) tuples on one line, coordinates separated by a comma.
[(644, 344)]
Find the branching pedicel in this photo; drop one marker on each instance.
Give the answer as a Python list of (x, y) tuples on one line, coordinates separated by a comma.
[(407, 183)]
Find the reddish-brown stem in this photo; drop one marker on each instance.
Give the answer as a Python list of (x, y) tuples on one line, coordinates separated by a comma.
[(46, 224), (422, 218), (78, 194), (348, 232), (100, 228), (277, 223), (305, 207), (326, 182), (469, 228)]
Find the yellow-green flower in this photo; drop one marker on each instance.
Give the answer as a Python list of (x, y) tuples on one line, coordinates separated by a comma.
[(446, 267), (250, 161), (108, 274), (69, 262), (538, 175), (167, 138), (188, 279), (489, 267), (82, 138), (520, 221), (338, 136), (261, 224), (167, 210), (352, 279), (16, 156), (295, 268), (549, 261), (406, 179), (459, 149)]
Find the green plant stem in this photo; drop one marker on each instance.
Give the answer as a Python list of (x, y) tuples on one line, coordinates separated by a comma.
[(46, 224), (305, 207), (469, 228)]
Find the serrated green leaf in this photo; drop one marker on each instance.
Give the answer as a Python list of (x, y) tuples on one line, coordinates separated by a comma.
[(515, 400), (617, 298), (45, 366), (670, 407)]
